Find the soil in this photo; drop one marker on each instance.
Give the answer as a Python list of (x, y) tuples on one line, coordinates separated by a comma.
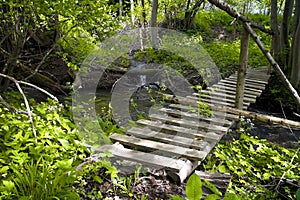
[(154, 184)]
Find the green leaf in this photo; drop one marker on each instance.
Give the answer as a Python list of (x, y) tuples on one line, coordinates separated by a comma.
[(194, 187), (176, 197), (212, 197), (98, 179), (9, 185), (298, 194), (222, 168), (231, 196), (212, 187), (64, 143), (4, 169)]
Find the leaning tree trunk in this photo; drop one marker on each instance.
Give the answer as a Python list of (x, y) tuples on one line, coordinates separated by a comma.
[(271, 60)]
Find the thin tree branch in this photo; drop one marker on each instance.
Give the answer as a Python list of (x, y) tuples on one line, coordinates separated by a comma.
[(11, 109), (29, 113), (47, 54), (40, 89), (293, 158)]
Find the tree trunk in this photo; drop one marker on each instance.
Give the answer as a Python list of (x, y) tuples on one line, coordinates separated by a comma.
[(131, 11), (274, 64), (153, 21), (190, 14), (240, 85), (295, 60), (143, 20), (274, 27), (121, 7), (284, 34)]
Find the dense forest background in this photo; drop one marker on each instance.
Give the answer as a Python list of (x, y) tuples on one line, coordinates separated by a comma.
[(44, 43)]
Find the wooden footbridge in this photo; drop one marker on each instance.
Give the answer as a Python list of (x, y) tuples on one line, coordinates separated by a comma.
[(178, 138)]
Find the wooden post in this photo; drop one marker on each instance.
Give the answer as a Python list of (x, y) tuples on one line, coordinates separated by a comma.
[(240, 85)]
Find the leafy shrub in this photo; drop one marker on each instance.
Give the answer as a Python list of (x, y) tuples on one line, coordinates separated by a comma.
[(205, 20), (226, 56), (57, 143), (252, 163), (39, 181)]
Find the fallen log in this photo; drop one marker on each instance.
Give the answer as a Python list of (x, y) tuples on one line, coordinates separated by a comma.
[(266, 119), (42, 80)]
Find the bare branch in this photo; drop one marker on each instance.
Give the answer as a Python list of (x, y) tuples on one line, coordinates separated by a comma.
[(29, 113), (47, 54), (40, 89), (11, 109)]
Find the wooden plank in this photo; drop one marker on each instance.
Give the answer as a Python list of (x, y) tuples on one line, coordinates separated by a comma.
[(227, 94), (248, 84), (229, 90), (234, 78), (256, 75), (216, 102), (215, 113), (212, 99), (234, 86), (194, 124), (213, 120), (148, 145), (146, 133), (210, 102), (144, 158), (182, 131), (220, 95)]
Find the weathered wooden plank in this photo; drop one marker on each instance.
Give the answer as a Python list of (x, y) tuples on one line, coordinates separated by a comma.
[(218, 99), (248, 84), (216, 102), (257, 75), (248, 88), (168, 149), (196, 116), (221, 181), (182, 131), (194, 124), (229, 88), (216, 95), (234, 78), (215, 113), (144, 158), (147, 133), (229, 91), (177, 169)]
